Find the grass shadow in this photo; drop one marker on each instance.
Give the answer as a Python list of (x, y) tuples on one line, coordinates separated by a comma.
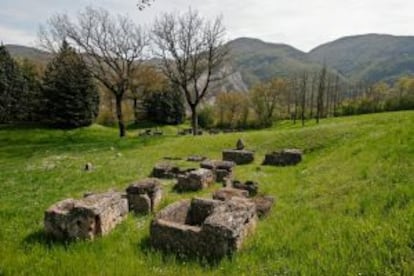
[(41, 238), (145, 247)]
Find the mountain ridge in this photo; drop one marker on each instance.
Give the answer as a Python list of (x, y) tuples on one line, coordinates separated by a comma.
[(364, 57)]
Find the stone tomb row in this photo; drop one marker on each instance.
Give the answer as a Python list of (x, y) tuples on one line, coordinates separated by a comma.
[(219, 225)]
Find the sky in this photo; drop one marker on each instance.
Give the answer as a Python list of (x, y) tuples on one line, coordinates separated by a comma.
[(303, 24)]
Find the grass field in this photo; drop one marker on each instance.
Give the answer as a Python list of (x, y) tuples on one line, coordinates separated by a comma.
[(347, 209)]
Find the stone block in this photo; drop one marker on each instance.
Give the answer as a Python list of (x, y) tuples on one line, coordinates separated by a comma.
[(87, 218), (222, 169), (228, 193), (286, 157), (144, 196), (240, 157), (204, 228), (196, 158), (223, 175), (250, 186), (164, 170), (195, 180)]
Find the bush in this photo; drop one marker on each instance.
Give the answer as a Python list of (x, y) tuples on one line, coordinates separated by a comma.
[(206, 117)]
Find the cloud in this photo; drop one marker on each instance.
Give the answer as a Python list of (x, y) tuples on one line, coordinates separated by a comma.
[(301, 23), (17, 36)]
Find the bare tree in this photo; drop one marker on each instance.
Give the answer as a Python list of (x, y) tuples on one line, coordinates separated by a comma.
[(321, 92), (303, 89), (311, 100), (146, 80), (112, 47), (295, 86), (265, 98), (192, 53), (142, 4)]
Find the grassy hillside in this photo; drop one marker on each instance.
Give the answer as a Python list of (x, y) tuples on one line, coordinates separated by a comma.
[(260, 61), (348, 208), (371, 57)]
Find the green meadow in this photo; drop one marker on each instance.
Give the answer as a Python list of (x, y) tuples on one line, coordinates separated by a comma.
[(347, 209)]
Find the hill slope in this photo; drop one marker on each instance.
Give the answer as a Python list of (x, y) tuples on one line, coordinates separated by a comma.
[(348, 208), (371, 57), (257, 60), (30, 53)]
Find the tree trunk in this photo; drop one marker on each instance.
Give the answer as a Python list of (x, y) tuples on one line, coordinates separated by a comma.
[(136, 110), (120, 116), (194, 119), (303, 98)]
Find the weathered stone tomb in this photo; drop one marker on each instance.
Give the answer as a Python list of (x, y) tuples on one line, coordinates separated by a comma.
[(168, 170), (223, 170), (194, 180), (251, 187), (204, 228), (285, 157), (240, 157), (165, 170), (144, 196), (94, 215)]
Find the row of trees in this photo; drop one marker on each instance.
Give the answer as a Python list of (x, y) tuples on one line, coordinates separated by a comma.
[(189, 48), (19, 89), (310, 95), (189, 54), (65, 96)]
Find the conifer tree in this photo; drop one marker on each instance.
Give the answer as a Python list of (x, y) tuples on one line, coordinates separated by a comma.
[(10, 86), (165, 106), (71, 96)]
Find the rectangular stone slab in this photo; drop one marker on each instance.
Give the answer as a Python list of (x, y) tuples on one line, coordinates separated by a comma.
[(94, 215)]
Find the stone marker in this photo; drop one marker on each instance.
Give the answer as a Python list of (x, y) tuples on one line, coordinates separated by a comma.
[(87, 218), (240, 145), (88, 167), (240, 157), (222, 169), (194, 180), (203, 228), (284, 157), (144, 196)]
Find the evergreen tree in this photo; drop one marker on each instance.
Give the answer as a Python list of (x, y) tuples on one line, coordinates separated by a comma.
[(165, 107), (10, 86), (31, 102), (72, 98)]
